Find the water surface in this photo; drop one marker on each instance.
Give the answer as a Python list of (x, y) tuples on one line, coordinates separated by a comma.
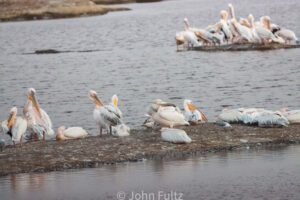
[(136, 58), (247, 174)]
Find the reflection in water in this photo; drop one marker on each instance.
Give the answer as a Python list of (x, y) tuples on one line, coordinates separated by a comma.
[(246, 174)]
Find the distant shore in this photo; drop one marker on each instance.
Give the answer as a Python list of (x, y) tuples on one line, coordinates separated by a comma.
[(141, 144), (21, 10)]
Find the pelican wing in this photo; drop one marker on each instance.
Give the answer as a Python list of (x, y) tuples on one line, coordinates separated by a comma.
[(4, 127), (110, 115), (19, 129), (270, 119), (171, 115)]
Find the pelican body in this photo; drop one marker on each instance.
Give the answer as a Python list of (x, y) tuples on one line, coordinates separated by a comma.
[(169, 117), (293, 116), (175, 135), (39, 122), (105, 116), (14, 126), (70, 133)]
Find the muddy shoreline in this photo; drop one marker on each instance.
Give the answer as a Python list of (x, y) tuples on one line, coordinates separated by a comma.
[(142, 144)]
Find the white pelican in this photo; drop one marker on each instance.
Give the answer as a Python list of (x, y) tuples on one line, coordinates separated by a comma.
[(231, 116), (288, 35), (225, 27), (120, 130), (270, 119), (186, 37), (153, 108), (256, 38), (14, 126), (263, 30), (192, 114), (39, 123), (105, 116), (292, 115), (175, 135), (70, 133), (169, 117), (115, 103)]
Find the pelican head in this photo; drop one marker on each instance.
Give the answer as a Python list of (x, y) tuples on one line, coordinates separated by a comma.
[(186, 23), (245, 22), (60, 133), (12, 117), (266, 22), (224, 15), (231, 11), (251, 19), (115, 100), (188, 105), (93, 96), (31, 97)]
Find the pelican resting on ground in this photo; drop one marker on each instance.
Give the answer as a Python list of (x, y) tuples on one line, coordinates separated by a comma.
[(70, 133), (169, 117), (293, 116), (288, 36), (175, 135), (39, 123), (192, 114), (15, 126), (271, 119), (105, 116), (231, 116), (153, 108), (120, 130)]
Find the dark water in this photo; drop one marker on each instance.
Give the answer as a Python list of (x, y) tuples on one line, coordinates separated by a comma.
[(136, 59), (248, 174)]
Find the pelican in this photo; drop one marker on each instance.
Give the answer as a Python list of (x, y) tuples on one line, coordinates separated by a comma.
[(121, 130), (205, 35), (286, 34), (153, 108), (224, 25), (270, 119), (264, 31), (39, 123), (105, 116), (231, 116), (292, 115), (186, 37), (70, 133), (175, 135), (169, 117), (14, 126), (192, 114), (115, 103), (256, 38)]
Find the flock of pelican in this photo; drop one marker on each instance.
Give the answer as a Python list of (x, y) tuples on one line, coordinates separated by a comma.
[(36, 124), (230, 30)]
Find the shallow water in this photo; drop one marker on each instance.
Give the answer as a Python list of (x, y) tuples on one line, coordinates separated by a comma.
[(247, 174), (136, 58)]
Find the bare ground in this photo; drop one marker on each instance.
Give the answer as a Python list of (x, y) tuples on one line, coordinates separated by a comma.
[(142, 144)]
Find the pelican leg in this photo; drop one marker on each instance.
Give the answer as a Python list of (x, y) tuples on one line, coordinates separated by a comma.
[(110, 130), (14, 144), (21, 140), (100, 131)]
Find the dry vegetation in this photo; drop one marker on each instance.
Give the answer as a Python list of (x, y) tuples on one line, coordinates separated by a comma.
[(47, 9)]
